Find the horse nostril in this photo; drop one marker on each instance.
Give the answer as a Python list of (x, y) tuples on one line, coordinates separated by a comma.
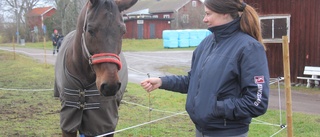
[(119, 85), (109, 90)]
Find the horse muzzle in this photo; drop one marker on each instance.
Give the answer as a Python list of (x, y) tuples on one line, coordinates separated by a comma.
[(109, 89), (106, 72)]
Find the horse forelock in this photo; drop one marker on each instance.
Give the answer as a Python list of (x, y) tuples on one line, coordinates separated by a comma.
[(101, 13), (104, 6), (95, 10)]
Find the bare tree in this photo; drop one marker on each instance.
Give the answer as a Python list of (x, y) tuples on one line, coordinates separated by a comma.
[(67, 14), (19, 8), (65, 18)]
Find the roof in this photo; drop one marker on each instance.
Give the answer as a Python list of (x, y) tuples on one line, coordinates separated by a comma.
[(139, 12), (157, 6), (39, 11)]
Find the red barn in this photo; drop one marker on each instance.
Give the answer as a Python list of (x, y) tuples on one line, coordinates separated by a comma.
[(148, 18), (37, 15), (299, 19)]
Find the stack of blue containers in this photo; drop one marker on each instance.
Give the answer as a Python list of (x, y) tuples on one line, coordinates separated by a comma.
[(183, 38), (196, 36), (170, 38)]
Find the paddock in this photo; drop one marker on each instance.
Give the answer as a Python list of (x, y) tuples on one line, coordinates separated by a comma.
[(163, 114)]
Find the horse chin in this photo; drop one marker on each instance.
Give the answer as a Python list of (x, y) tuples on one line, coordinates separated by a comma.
[(109, 89)]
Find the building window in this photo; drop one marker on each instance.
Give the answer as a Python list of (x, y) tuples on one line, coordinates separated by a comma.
[(166, 16), (274, 27), (194, 3), (154, 16), (185, 18), (140, 21)]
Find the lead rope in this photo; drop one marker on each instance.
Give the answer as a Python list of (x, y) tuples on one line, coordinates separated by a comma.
[(150, 109)]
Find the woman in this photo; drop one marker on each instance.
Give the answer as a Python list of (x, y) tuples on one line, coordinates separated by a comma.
[(228, 83)]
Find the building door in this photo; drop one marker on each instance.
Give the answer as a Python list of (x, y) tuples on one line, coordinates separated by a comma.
[(140, 31), (152, 31)]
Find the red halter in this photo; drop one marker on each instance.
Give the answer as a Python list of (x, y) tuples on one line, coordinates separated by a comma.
[(106, 58)]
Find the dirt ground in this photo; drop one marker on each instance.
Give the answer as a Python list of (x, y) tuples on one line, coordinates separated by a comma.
[(140, 64)]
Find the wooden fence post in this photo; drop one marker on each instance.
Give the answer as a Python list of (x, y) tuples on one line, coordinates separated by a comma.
[(286, 67), (14, 48), (44, 48)]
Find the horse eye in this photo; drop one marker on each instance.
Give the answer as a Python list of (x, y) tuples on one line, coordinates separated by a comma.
[(91, 32)]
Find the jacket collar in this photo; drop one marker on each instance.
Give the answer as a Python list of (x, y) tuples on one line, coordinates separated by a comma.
[(224, 31)]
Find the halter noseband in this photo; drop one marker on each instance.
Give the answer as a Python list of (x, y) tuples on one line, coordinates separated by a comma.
[(101, 57)]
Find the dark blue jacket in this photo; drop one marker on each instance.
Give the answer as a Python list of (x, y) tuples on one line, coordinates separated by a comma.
[(228, 83), (55, 38)]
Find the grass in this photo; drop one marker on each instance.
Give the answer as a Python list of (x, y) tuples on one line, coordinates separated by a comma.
[(127, 45), (37, 45), (26, 113), (36, 113)]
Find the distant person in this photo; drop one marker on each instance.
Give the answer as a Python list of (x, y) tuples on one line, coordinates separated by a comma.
[(59, 42), (228, 83), (55, 39)]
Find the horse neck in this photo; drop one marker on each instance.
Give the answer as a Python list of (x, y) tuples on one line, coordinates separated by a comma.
[(79, 63)]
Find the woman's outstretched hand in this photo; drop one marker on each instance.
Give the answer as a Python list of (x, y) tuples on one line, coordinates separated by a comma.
[(151, 84)]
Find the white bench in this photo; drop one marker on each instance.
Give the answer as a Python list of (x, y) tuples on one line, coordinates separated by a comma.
[(314, 72)]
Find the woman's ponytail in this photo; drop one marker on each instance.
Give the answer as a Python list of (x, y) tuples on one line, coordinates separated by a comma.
[(250, 23)]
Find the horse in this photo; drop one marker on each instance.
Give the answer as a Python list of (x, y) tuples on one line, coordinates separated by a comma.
[(91, 73)]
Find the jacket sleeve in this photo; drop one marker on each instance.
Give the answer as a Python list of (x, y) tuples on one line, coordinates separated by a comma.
[(175, 83), (254, 84)]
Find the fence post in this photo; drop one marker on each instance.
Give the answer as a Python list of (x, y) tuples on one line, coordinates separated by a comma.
[(286, 67), (14, 48), (44, 48)]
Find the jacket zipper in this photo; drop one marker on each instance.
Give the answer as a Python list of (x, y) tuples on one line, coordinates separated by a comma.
[(213, 48)]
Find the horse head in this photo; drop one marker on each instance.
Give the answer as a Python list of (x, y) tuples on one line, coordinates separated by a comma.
[(101, 41)]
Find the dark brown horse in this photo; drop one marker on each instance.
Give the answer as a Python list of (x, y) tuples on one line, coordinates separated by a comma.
[(90, 72)]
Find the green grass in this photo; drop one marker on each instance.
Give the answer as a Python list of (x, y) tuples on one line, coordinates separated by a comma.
[(127, 45), (181, 70), (37, 45), (36, 113), (26, 112)]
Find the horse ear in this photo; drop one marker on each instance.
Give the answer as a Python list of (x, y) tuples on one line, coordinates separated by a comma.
[(125, 4)]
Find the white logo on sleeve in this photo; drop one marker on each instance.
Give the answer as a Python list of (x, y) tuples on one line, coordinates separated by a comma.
[(259, 95)]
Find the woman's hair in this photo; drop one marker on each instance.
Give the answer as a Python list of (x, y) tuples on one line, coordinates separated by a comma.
[(249, 21)]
